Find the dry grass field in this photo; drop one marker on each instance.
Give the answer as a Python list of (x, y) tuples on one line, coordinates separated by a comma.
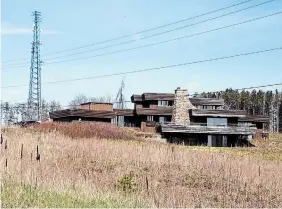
[(59, 166)]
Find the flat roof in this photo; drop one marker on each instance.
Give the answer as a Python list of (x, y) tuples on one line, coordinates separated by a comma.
[(86, 103)]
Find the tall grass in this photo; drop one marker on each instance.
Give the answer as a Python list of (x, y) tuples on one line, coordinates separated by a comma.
[(133, 173), (97, 130)]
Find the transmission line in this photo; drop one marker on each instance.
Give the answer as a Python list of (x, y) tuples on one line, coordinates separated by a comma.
[(158, 68), (190, 18), (161, 42), (128, 101), (246, 88)]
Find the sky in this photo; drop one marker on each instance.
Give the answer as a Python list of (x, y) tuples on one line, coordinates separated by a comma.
[(68, 24)]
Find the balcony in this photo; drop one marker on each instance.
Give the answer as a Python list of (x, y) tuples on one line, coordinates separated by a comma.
[(203, 128)]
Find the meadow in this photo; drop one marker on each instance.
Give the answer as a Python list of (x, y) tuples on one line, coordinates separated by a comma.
[(99, 165)]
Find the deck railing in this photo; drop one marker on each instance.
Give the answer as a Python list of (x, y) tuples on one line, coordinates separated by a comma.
[(214, 125)]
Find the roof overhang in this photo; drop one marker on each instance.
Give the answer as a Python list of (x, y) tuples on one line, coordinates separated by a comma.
[(82, 113), (219, 113)]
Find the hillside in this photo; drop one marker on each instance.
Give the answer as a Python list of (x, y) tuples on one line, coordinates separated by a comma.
[(70, 171)]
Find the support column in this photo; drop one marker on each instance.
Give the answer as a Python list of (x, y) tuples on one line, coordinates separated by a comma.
[(209, 141), (224, 141)]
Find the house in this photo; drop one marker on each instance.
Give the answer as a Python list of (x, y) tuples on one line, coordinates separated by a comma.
[(207, 126), (176, 116)]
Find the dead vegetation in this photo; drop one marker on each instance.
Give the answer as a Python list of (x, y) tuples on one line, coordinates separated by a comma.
[(134, 173), (96, 130)]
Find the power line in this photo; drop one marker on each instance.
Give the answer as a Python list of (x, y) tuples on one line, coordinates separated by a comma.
[(168, 31), (247, 88), (161, 42), (143, 31), (157, 68), (238, 89)]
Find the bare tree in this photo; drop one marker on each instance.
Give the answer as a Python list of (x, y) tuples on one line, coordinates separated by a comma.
[(54, 106), (78, 99), (44, 110), (103, 99)]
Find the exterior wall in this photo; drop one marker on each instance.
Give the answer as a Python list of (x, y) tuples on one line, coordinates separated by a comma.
[(85, 107), (106, 107), (76, 118), (148, 128), (138, 105), (180, 113), (153, 106)]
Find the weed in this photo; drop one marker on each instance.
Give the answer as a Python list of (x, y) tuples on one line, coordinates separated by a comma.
[(127, 183)]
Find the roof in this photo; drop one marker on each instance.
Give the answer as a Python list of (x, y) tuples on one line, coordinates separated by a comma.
[(124, 112), (136, 98), (207, 101), (157, 96), (170, 97), (218, 113), (255, 118), (87, 103), (82, 113), (155, 111)]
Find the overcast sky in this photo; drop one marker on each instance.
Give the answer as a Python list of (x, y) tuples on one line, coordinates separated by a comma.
[(73, 23)]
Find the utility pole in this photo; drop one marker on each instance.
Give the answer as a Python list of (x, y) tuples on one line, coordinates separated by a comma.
[(34, 96)]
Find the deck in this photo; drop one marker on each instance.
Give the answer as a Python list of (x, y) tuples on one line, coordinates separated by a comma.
[(231, 129)]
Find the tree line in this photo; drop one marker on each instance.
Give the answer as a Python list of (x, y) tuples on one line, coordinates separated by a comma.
[(15, 112)]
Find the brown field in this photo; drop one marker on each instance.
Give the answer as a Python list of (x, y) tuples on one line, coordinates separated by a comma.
[(79, 168)]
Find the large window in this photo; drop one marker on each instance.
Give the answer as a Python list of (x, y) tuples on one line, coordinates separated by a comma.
[(216, 121)]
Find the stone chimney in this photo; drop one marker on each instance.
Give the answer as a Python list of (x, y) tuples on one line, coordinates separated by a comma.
[(182, 104)]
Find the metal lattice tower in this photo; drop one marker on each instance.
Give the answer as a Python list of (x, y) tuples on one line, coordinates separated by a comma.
[(34, 96), (120, 100)]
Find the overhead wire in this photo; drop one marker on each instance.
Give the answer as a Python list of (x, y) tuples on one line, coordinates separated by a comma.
[(143, 31), (237, 89), (155, 68), (161, 42)]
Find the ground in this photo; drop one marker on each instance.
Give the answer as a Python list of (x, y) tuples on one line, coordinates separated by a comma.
[(71, 171)]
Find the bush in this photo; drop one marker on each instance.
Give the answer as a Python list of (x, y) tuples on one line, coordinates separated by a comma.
[(87, 130), (126, 183)]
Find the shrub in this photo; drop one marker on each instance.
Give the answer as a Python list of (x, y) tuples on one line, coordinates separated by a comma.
[(126, 183)]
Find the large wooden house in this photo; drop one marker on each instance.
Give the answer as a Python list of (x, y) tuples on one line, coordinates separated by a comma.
[(176, 116)]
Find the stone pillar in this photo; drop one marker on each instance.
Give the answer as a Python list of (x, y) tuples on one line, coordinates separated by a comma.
[(182, 104)]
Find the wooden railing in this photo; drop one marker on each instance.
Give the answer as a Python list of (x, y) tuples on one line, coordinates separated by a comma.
[(215, 125)]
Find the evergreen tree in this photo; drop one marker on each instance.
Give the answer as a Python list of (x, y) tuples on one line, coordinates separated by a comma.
[(259, 103), (268, 100), (244, 100), (253, 99), (280, 114)]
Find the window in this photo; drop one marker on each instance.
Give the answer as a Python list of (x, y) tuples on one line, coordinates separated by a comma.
[(163, 103), (216, 121), (209, 107), (162, 119), (150, 118), (146, 105)]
